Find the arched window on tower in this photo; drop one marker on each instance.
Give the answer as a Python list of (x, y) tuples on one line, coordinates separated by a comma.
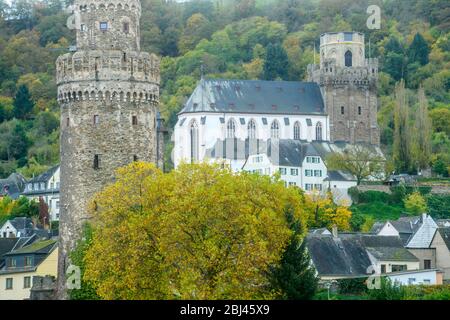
[(194, 141), (297, 132), (275, 130), (348, 59), (231, 129), (319, 131), (251, 129)]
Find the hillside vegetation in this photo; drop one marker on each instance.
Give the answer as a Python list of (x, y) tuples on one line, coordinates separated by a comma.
[(245, 39)]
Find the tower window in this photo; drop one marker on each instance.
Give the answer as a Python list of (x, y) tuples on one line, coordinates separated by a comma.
[(96, 162), (134, 120), (126, 27), (103, 26), (83, 27), (135, 158), (96, 119), (68, 122), (342, 110), (348, 59), (359, 110)]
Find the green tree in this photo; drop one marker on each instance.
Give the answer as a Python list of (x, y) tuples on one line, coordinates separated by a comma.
[(418, 51), (358, 160), (77, 256), (422, 134), (394, 59), (23, 103), (415, 204), (295, 277), (276, 64), (402, 131)]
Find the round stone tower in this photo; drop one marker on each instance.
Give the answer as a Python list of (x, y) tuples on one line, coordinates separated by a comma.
[(348, 83), (109, 95)]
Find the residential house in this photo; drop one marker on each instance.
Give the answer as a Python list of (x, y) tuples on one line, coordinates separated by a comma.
[(46, 187), (17, 228), (441, 245), (352, 255), (21, 265), (301, 164), (12, 186)]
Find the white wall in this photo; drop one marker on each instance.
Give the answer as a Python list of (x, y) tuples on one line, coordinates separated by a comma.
[(214, 130), (419, 277), (8, 230)]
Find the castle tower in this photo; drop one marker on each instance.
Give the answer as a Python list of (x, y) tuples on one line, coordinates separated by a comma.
[(348, 83), (109, 94)]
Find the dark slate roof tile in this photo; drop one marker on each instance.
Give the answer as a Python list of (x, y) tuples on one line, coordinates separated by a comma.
[(237, 95)]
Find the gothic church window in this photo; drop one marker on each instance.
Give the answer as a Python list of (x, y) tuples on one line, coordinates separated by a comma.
[(252, 129), (194, 141), (342, 110), (359, 110), (319, 131), (297, 130), (231, 129), (348, 59), (275, 130)]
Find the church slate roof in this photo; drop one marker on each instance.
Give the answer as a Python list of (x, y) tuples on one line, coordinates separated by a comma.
[(256, 96)]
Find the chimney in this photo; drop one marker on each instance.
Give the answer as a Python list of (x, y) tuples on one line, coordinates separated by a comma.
[(335, 231)]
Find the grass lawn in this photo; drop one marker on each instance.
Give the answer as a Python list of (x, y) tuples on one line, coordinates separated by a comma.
[(323, 295), (380, 211)]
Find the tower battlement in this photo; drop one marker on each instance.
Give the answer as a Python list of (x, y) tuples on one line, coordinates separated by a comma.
[(103, 24), (96, 65)]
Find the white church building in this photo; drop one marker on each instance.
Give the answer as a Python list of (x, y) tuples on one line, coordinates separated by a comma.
[(284, 126)]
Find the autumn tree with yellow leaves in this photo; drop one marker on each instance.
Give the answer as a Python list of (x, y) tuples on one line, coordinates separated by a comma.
[(199, 232)]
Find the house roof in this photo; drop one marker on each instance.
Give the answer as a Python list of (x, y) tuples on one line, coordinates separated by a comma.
[(46, 176), (339, 176), (337, 256), (445, 234), (348, 254), (12, 186), (7, 244), (255, 96), (22, 223), (40, 247), (392, 254)]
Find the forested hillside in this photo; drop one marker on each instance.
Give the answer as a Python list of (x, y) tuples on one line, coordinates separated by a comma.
[(243, 39)]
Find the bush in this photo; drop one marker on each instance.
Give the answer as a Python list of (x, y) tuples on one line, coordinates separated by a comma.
[(438, 206), (352, 286), (354, 193), (387, 291), (374, 196)]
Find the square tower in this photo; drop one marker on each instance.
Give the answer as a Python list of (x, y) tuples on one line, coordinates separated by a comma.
[(348, 82)]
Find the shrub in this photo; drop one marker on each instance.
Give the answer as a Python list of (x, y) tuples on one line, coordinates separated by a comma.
[(387, 291), (352, 286)]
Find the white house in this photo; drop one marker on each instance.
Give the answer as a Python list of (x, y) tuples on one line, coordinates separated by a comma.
[(46, 186), (416, 277), (17, 228), (299, 164)]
